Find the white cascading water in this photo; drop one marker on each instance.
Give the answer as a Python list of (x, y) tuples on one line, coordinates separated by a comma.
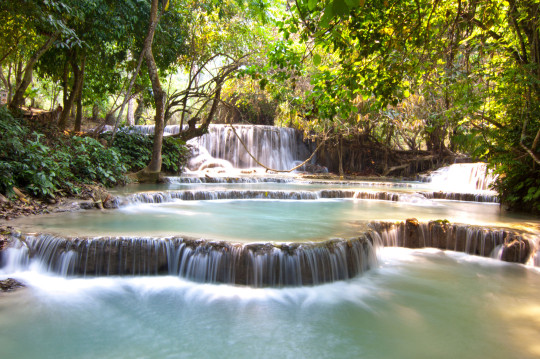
[(463, 177), (256, 264), (144, 129), (278, 148)]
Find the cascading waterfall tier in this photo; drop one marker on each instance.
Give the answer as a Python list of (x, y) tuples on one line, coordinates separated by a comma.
[(503, 244), (189, 179), (198, 195), (202, 195), (279, 148), (256, 265), (460, 177)]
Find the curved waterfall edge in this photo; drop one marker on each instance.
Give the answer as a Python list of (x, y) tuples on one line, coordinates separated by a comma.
[(258, 264), (200, 195)]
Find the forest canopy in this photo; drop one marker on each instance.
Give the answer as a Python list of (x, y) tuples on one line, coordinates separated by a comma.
[(437, 77)]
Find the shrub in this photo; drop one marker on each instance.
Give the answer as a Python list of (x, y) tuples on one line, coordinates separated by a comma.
[(136, 151), (45, 165)]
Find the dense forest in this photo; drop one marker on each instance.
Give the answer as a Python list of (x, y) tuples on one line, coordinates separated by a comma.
[(430, 78)]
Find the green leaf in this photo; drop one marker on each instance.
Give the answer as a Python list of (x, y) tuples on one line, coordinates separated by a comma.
[(354, 3), (316, 59), (327, 16), (312, 4), (340, 7), (406, 93)]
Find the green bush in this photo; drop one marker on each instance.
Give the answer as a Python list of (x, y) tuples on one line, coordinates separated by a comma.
[(46, 165), (136, 151)]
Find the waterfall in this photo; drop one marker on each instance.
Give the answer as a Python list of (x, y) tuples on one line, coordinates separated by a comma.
[(185, 180), (256, 265), (462, 177), (279, 148), (502, 244), (201, 195), (145, 129)]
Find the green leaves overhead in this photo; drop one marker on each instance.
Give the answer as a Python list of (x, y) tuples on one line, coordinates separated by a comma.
[(316, 59), (340, 8)]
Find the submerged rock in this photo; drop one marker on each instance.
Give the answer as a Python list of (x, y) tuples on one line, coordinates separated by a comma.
[(10, 284)]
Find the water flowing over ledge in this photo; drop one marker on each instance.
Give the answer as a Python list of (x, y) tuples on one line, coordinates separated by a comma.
[(191, 195), (276, 147), (208, 179), (503, 244), (469, 176), (258, 264)]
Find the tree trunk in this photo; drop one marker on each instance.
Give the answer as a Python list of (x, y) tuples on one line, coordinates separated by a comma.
[(130, 118), (76, 88), (95, 112), (340, 156), (159, 95), (139, 110), (18, 97), (78, 117)]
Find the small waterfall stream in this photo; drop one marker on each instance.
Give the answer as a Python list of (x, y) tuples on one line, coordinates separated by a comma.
[(279, 148)]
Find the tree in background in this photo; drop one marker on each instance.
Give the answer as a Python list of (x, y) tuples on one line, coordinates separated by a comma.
[(475, 66), (28, 30)]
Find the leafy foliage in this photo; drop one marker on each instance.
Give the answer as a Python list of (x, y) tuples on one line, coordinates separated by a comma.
[(45, 166), (136, 151)]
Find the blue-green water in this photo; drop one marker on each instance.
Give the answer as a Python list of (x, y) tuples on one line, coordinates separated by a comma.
[(422, 304), (265, 220), (415, 304)]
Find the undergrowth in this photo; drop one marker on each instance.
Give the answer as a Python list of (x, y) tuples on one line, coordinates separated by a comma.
[(46, 163)]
